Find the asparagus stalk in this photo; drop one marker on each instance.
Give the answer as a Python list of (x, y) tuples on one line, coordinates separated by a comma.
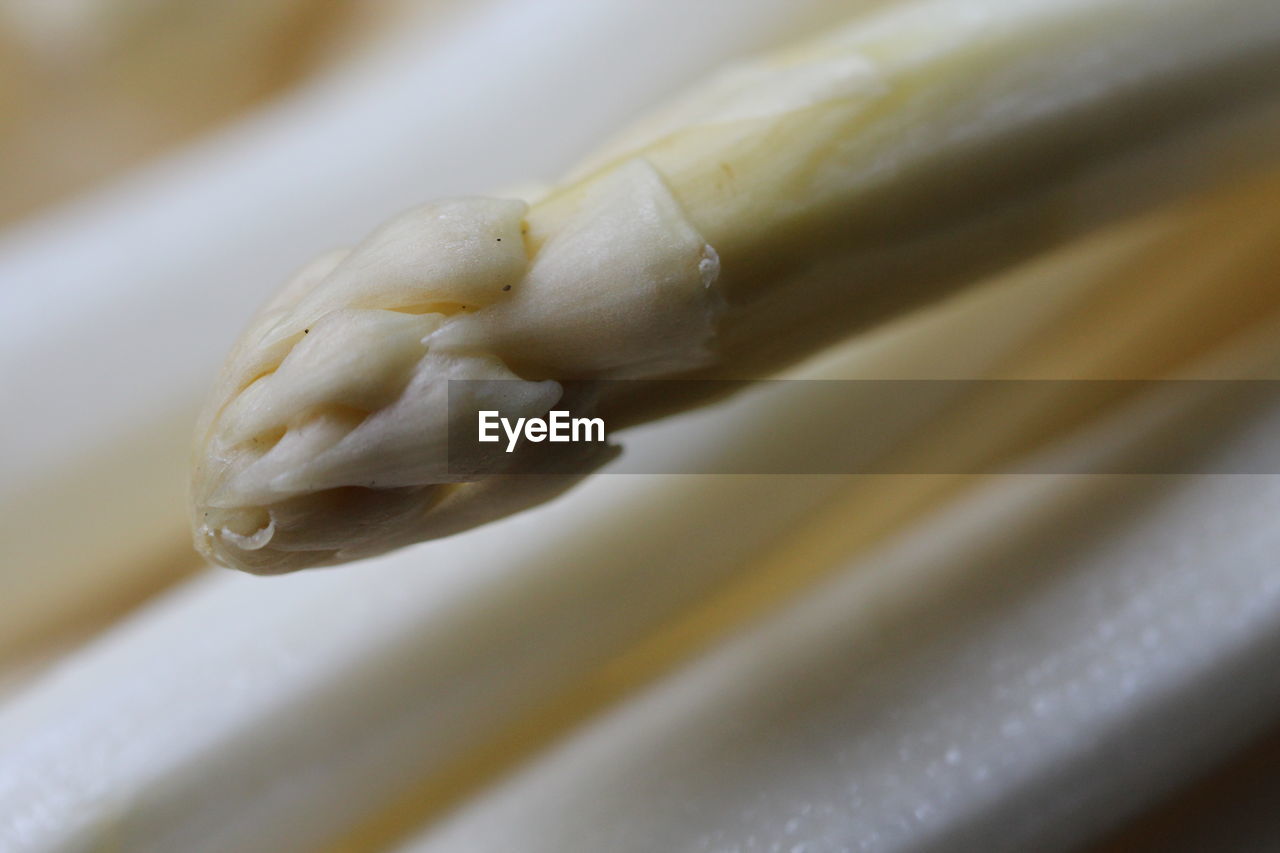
[(792, 201), (165, 265), (410, 676), (1020, 671)]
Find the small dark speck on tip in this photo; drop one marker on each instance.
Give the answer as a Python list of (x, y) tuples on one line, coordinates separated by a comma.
[(507, 287), (306, 331)]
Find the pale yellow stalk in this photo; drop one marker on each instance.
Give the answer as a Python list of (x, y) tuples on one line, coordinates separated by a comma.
[(788, 203)]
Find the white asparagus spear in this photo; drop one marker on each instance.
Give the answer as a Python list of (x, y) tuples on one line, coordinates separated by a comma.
[(346, 693), (115, 311), (497, 625), (1022, 671), (789, 202)]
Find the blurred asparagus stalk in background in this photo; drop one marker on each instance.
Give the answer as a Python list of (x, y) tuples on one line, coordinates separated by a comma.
[(793, 201), (351, 697), (1025, 669), (127, 299), (93, 86)]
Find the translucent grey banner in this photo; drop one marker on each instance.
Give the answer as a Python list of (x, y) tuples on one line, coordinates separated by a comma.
[(872, 427)]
